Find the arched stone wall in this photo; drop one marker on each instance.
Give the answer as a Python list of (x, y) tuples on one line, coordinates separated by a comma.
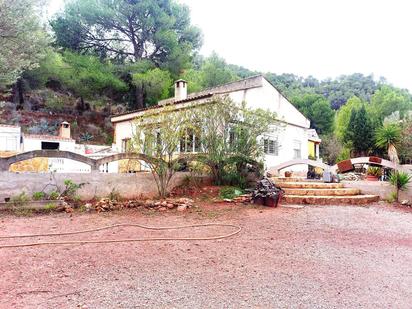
[(370, 160), (6, 162), (277, 168), (122, 156)]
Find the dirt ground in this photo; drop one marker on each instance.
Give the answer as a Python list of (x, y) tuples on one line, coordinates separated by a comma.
[(313, 257)]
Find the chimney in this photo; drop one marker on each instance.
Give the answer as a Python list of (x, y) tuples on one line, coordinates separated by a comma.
[(64, 130), (180, 90)]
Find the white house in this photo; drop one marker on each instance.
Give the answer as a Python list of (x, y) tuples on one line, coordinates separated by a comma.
[(290, 142)]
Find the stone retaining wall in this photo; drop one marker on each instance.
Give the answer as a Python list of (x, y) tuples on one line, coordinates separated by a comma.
[(381, 188), (98, 184)]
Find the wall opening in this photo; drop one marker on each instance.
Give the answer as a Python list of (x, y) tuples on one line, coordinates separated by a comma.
[(50, 146)]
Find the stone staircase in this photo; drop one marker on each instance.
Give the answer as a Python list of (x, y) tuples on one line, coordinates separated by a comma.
[(303, 191)]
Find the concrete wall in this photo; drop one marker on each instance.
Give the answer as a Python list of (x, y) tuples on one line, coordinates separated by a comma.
[(381, 188), (99, 184)]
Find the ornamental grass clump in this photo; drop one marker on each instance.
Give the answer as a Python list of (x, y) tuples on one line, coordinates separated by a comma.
[(400, 181)]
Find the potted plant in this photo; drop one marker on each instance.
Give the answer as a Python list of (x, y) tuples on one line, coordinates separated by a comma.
[(267, 193), (288, 174), (373, 173)]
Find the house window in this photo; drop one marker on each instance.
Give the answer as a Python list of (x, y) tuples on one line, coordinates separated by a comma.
[(125, 144), (297, 149), (271, 146), (190, 142)]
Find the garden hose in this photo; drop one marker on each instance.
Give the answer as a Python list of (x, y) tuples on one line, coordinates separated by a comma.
[(103, 241)]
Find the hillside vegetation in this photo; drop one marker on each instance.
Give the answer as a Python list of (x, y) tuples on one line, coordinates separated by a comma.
[(101, 57)]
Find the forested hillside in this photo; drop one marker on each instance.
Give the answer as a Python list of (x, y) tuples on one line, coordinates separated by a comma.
[(100, 57)]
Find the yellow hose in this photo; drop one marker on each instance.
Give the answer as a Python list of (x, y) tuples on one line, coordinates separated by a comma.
[(77, 242)]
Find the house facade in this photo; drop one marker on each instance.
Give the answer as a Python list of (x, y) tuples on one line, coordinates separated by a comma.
[(289, 141)]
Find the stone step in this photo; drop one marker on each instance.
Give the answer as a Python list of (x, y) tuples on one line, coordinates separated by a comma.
[(330, 200), (292, 179), (310, 185), (322, 192)]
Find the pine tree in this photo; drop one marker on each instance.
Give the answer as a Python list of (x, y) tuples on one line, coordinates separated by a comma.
[(360, 132)]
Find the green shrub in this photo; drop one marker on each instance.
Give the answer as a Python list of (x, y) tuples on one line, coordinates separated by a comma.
[(38, 196), (392, 197), (230, 192), (234, 178), (20, 199), (54, 102), (71, 188), (54, 195), (114, 195), (86, 137), (50, 206)]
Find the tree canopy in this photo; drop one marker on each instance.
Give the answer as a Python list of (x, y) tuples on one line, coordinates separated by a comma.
[(22, 38), (388, 100), (343, 116), (156, 30), (360, 132), (84, 75), (318, 110)]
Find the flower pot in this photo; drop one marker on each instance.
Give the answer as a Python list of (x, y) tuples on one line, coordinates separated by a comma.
[(259, 201), (271, 201), (274, 201), (372, 178)]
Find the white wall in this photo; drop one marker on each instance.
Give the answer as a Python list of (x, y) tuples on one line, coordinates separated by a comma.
[(61, 165), (294, 128), (286, 135), (123, 130), (9, 138), (30, 144), (268, 98)]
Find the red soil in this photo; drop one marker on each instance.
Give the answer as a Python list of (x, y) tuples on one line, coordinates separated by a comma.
[(314, 257)]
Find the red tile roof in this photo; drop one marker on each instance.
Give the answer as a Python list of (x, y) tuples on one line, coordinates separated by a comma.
[(207, 95)]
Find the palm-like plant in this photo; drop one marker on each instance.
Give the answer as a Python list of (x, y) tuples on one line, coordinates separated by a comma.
[(388, 137), (400, 181)]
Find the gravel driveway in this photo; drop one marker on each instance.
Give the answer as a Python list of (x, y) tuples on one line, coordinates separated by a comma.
[(315, 257)]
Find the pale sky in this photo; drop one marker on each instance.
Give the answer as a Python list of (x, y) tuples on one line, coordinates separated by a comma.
[(323, 38)]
